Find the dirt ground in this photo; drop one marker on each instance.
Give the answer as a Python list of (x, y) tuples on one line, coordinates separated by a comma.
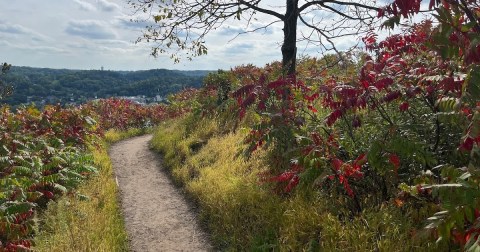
[(157, 215)]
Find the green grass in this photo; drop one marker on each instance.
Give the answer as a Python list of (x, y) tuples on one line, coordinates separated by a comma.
[(244, 214), (95, 224)]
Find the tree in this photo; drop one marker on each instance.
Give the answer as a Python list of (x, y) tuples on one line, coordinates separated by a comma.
[(5, 88), (181, 25)]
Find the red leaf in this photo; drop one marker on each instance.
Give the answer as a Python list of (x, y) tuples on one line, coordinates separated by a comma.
[(311, 98), (337, 163), (348, 189), (361, 160), (392, 96), (395, 160), (467, 144), (404, 106), (314, 110), (243, 90), (383, 83), (242, 113), (48, 194), (381, 13), (261, 105), (249, 100), (333, 117), (277, 83), (285, 176), (292, 184), (365, 84)]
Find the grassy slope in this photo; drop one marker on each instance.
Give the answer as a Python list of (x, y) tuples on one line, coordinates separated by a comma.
[(243, 214), (96, 224)]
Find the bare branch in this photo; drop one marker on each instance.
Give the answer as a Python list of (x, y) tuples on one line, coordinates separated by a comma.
[(265, 11)]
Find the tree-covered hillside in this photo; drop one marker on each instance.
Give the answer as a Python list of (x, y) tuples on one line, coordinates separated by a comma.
[(44, 85)]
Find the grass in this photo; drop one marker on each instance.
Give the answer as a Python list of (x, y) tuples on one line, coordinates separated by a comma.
[(243, 214), (95, 224), (112, 135)]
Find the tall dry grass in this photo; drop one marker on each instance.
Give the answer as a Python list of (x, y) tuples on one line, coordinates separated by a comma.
[(244, 214), (92, 224)]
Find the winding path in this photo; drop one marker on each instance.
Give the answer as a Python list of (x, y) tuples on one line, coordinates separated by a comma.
[(157, 216)]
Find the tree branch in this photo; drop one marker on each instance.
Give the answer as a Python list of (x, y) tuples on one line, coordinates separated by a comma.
[(368, 7), (265, 11), (322, 3)]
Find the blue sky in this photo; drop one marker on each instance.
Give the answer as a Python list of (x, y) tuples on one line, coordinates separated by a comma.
[(89, 34)]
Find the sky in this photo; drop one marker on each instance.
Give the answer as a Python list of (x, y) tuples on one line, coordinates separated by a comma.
[(91, 34)]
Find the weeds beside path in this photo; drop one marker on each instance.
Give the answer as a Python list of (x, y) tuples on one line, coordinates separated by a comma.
[(157, 216)]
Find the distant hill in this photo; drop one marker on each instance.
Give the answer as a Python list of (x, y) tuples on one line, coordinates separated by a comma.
[(51, 86)]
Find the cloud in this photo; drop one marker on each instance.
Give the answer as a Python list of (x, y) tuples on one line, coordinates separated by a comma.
[(107, 6), (239, 49), (85, 6), (35, 49), (102, 46), (13, 28), (230, 30), (126, 23), (16, 29), (90, 29)]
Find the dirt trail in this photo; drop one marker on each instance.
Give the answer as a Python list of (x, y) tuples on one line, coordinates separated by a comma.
[(157, 216)]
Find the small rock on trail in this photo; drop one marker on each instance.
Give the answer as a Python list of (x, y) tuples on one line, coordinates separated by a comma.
[(157, 216)]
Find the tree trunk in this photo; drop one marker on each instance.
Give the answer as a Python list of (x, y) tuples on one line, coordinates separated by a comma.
[(289, 47)]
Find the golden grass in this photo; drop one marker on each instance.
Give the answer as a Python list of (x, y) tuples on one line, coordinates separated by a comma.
[(243, 214), (113, 135), (95, 224)]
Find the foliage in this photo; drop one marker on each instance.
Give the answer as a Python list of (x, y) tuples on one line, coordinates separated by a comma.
[(242, 214), (51, 86), (397, 127), (75, 224), (451, 86), (221, 82), (43, 156), (41, 159), (5, 88)]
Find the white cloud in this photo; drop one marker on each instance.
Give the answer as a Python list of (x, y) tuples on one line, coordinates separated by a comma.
[(33, 49), (90, 29), (242, 48), (125, 22), (13, 28), (16, 29), (108, 6), (85, 5)]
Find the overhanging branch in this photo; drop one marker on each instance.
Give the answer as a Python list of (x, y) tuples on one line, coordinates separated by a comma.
[(265, 11)]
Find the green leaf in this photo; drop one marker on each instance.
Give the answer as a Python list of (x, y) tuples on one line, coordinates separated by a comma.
[(90, 120), (19, 208), (391, 22), (374, 155), (61, 188), (469, 213), (22, 171), (448, 104), (53, 178), (472, 84)]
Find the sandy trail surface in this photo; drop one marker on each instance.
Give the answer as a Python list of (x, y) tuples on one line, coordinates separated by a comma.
[(157, 215)]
